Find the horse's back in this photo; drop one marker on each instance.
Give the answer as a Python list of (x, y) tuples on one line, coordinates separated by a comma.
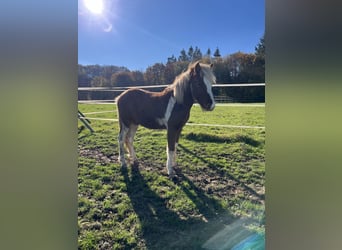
[(142, 107), (128, 95)]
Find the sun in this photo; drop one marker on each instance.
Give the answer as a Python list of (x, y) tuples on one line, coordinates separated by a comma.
[(95, 6)]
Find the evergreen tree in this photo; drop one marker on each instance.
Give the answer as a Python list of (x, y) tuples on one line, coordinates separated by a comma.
[(259, 63), (191, 54), (260, 48), (208, 54), (217, 53), (197, 55), (171, 59), (183, 56)]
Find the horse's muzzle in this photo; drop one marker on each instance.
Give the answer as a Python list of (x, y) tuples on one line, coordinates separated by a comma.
[(208, 106), (212, 106)]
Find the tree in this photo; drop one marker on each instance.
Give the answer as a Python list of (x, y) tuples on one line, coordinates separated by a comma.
[(217, 53), (197, 55), (183, 56), (180, 67), (208, 54), (138, 78), (247, 68), (83, 79), (260, 60), (234, 62), (88, 73), (171, 59), (191, 54), (99, 81), (169, 72), (122, 79), (154, 75), (260, 48)]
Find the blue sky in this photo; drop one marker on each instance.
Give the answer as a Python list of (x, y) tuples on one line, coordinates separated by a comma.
[(138, 33)]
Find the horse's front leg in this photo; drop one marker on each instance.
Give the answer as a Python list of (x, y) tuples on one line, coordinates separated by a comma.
[(171, 141), (178, 132), (121, 139)]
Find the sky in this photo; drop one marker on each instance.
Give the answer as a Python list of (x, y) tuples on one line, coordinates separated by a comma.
[(139, 33)]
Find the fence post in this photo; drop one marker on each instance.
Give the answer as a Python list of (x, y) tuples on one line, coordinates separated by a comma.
[(85, 121)]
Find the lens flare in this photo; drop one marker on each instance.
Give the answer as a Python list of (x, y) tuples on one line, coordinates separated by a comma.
[(95, 6)]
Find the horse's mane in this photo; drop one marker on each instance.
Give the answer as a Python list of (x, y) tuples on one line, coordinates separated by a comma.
[(181, 82)]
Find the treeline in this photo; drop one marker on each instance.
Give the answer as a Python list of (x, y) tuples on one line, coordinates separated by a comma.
[(96, 75), (238, 67)]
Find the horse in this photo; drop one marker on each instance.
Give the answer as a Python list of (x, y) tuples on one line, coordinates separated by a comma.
[(168, 109)]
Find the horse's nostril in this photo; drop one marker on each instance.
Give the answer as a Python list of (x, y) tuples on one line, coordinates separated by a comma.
[(208, 106)]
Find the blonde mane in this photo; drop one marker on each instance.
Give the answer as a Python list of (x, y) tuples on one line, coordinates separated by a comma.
[(181, 82)]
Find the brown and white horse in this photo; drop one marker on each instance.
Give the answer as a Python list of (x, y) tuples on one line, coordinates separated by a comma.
[(169, 109)]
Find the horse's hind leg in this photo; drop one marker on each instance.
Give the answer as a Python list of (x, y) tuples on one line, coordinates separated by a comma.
[(129, 143), (121, 138)]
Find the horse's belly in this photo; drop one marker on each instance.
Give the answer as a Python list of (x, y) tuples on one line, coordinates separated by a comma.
[(152, 124)]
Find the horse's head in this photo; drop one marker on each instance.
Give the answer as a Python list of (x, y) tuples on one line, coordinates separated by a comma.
[(201, 79)]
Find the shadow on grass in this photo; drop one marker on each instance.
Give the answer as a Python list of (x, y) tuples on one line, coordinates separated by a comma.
[(208, 207), (202, 137), (83, 133), (220, 170), (163, 228)]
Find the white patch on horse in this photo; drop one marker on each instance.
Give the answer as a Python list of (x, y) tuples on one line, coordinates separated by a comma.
[(129, 142), (168, 111), (170, 162), (175, 154), (121, 139), (210, 92), (209, 79)]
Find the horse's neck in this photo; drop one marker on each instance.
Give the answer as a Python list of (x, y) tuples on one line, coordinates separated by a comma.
[(188, 100)]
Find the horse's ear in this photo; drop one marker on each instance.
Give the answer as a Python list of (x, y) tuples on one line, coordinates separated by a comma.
[(198, 68), (195, 69)]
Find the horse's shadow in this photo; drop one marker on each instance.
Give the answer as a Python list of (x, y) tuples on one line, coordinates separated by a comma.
[(163, 228), (207, 138), (220, 170)]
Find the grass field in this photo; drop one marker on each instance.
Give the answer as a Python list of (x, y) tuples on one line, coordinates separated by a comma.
[(217, 199)]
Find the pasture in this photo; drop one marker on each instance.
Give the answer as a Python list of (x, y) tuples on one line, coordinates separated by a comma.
[(217, 199)]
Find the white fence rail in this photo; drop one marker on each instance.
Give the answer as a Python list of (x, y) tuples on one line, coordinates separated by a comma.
[(220, 85), (109, 93)]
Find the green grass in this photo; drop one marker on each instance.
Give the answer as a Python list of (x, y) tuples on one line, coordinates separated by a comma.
[(221, 178)]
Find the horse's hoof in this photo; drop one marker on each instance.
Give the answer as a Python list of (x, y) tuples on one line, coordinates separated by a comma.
[(135, 163), (174, 178), (172, 174)]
